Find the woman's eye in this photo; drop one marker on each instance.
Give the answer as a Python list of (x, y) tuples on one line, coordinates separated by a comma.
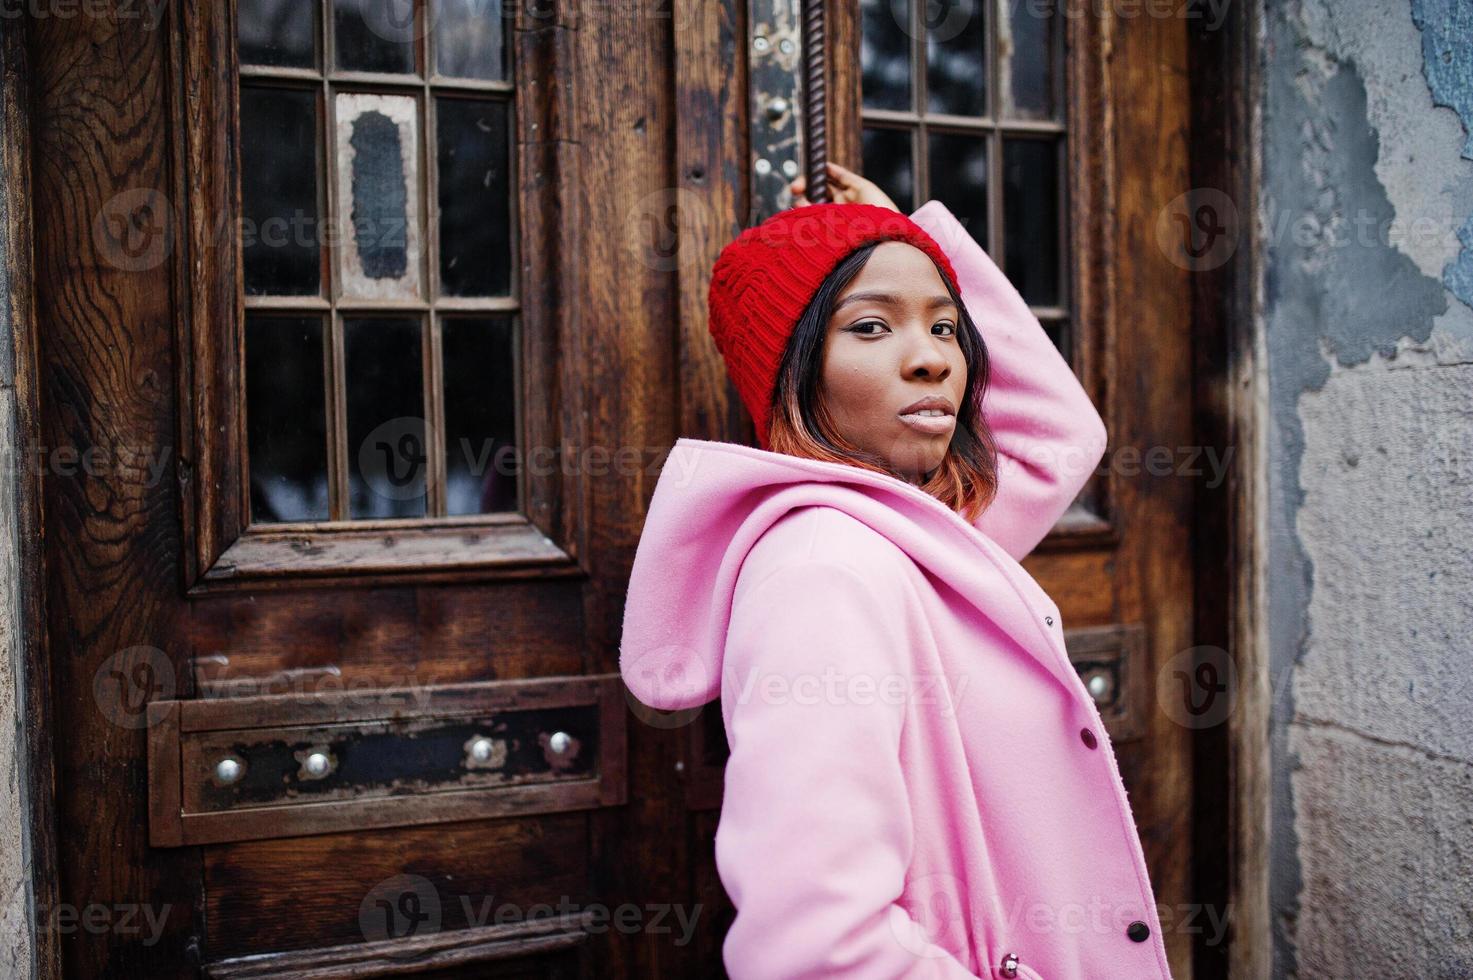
[(862, 325), (948, 327)]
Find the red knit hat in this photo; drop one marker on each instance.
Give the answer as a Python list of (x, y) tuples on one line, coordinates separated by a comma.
[(763, 281)]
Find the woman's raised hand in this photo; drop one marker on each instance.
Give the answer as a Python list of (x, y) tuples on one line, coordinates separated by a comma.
[(845, 187)]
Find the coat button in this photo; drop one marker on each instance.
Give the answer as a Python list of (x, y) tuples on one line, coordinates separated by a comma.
[(1088, 737), (1049, 620), (1138, 931), (1010, 965)]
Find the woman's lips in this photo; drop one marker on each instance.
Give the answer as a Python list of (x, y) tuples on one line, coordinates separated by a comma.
[(931, 425)]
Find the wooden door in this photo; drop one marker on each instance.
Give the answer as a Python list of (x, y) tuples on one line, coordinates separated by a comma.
[(362, 330), (1058, 133)]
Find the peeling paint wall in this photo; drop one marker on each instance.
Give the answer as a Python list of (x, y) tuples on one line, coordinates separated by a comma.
[(1367, 218)]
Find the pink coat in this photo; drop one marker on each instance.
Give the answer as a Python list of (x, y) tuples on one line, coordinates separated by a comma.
[(919, 783)]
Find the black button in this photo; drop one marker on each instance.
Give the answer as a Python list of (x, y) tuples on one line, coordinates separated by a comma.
[(1138, 931), (1089, 737)]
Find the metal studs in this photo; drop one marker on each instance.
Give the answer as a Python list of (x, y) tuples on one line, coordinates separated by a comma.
[(1010, 965), (763, 166), (787, 46), (1049, 620), (560, 742), (778, 107), (761, 45), (316, 763), (481, 749), (229, 770), (790, 168)]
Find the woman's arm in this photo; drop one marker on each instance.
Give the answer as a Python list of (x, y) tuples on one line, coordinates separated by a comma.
[(815, 834), (1049, 436)]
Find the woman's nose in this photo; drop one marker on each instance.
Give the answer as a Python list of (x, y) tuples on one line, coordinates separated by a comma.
[(925, 359)]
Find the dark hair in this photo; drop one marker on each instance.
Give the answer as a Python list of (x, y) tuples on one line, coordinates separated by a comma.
[(800, 423)]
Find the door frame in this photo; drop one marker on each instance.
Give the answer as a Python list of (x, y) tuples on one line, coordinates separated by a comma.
[(1228, 387)]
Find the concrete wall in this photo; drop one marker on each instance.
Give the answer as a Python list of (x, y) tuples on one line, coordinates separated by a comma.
[(16, 919), (1367, 213)]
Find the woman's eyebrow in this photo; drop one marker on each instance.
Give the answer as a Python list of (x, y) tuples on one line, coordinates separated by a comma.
[(890, 298)]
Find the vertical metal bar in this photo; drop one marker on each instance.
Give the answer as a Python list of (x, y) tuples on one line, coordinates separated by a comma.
[(815, 101)]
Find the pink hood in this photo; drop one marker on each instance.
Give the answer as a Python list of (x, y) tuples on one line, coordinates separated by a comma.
[(714, 500)]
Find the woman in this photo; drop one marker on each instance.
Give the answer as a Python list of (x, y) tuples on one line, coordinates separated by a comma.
[(919, 784)]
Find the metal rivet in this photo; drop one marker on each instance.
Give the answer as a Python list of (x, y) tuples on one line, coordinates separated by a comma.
[(786, 46), (228, 770), (1010, 965), (1098, 685), (1049, 620), (316, 763), (777, 108), (481, 749), (761, 45), (559, 742), (790, 167), (762, 166)]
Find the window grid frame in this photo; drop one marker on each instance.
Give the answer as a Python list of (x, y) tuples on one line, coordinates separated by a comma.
[(918, 122), (430, 308)]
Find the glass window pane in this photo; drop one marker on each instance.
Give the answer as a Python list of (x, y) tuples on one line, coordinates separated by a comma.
[(286, 428), (474, 196), (956, 57), (278, 191), (884, 53), (959, 179), (378, 195), (1058, 332), (480, 415), (1033, 62), (277, 32), (888, 162), (374, 35), (470, 39), (384, 382), (1031, 218)]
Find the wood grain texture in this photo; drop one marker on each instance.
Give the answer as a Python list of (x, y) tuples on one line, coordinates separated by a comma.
[(105, 323)]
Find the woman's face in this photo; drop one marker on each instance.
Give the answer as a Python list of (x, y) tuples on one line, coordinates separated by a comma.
[(891, 343)]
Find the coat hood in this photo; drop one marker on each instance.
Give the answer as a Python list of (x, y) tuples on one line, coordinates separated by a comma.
[(711, 504)]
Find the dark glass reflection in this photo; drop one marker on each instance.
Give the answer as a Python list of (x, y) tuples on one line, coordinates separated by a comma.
[(374, 35), (884, 53), (956, 57), (278, 191), (286, 428), (480, 415), (1037, 63), (387, 453), (888, 162), (1031, 218), (1058, 332), (474, 197), (470, 39), (959, 179), (277, 32)]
